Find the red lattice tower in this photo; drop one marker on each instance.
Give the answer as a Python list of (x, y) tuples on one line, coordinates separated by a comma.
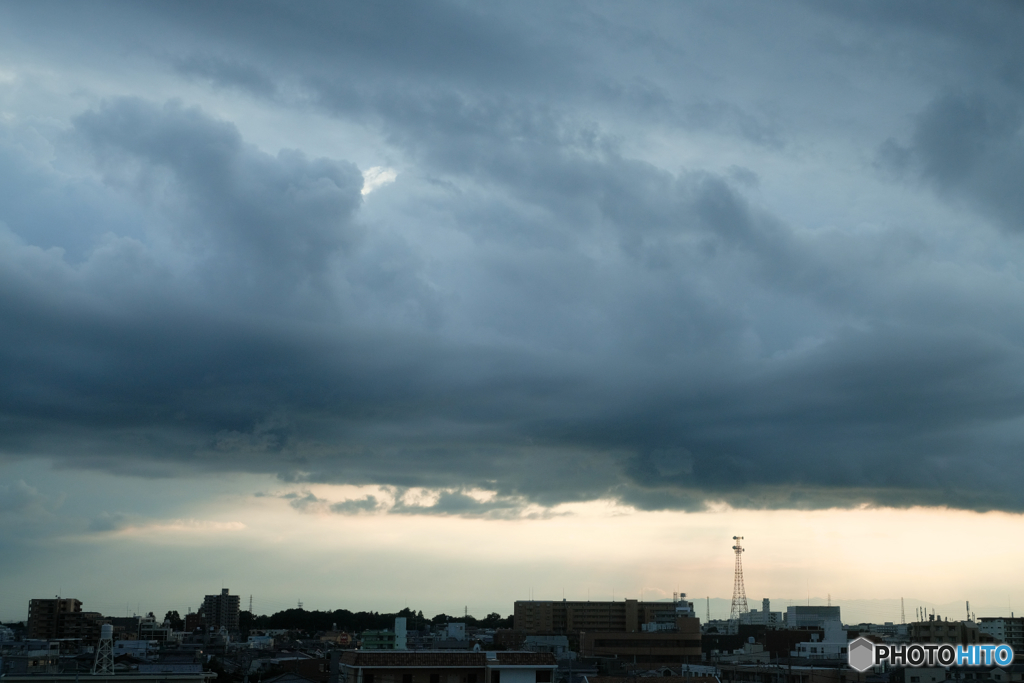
[(739, 593)]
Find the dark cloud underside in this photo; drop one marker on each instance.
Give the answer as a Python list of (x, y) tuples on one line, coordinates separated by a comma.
[(546, 304)]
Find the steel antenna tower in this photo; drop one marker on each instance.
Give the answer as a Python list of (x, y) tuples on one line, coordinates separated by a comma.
[(739, 593)]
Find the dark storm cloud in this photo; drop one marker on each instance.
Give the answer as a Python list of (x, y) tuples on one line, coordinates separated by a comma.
[(460, 504), (541, 306), (19, 497), (109, 522), (356, 505), (968, 146), (227, 73), (240, 199), (447, 502)]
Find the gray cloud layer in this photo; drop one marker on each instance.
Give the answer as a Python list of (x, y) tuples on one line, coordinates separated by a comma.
[(544, 305)]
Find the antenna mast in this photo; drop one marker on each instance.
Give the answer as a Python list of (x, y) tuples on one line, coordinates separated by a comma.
[(739, 593)]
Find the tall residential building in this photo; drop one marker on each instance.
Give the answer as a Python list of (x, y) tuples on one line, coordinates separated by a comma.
[(559, 617), (44, 616), (62, 618), (221, 610), (1009, 630)]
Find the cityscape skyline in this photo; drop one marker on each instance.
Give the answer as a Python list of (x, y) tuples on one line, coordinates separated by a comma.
[(878, 611), (455, 303), (374, 578)]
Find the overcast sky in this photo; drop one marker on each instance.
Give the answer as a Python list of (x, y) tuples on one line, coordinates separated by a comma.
[(401, 276)]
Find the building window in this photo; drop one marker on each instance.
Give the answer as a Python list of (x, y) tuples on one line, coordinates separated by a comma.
[(470, 678), (435, 678), (915, 679), (406, 678), (367, 678), (495, 677), (544, 676)]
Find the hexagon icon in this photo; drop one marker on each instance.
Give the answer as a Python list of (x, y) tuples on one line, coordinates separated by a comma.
[(860, 654)]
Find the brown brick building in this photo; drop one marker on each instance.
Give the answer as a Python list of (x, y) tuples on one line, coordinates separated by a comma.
[(681, 646), (50, 619), (561, 617), (45, 616)]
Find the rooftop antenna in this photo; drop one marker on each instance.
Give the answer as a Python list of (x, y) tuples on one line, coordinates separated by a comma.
[(903, 617), (708, 618), (739, 593), (968, 610), (300, 604), (829, 599)]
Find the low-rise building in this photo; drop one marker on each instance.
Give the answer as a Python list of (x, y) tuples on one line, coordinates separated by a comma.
[(810, 616), (681, 646), (556, 645), (136, 648), (765, 617), (950, 632), (151, 629), (562, 617), (832, 646), (835, 672), (386, 640), (440, 666)]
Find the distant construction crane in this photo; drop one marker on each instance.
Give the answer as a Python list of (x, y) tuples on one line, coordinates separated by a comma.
[(739, 593)]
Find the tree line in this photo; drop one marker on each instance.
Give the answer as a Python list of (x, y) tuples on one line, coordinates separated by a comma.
[(311, 621)]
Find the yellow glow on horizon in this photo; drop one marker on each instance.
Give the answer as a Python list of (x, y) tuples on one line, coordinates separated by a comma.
[(600, 548)]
